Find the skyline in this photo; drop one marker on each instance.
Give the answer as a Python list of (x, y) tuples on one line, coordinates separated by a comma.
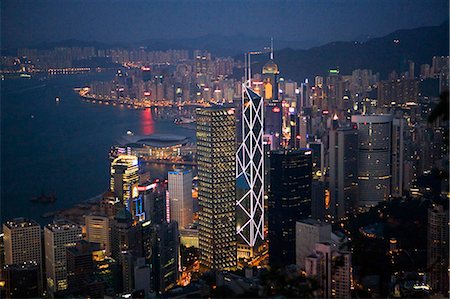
[(173, 167), (27, 23)]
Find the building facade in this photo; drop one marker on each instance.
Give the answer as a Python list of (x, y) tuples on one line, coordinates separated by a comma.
[(98, 231), (124, 184), (289, 201), (216, 158), (343, 176), (180, 196), (57, 237), (250, 170), (374, 158)]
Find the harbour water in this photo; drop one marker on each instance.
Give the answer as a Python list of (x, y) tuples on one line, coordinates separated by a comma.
[(61, 147)]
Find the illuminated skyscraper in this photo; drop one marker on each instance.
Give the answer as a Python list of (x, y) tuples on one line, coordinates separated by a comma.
[(250, 170), (180, 196), (216, 158), (374, 158), (124, 184), (58, 236), (289, 201), (98, 231), (273, 108)]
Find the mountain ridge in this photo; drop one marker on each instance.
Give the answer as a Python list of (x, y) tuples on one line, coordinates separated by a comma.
[(380, 54)]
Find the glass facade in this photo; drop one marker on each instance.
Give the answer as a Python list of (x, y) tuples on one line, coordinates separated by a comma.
[(124, 184), (289, 201), (250, 170)]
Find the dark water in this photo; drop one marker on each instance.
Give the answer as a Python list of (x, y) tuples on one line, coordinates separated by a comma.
[(62, 147)]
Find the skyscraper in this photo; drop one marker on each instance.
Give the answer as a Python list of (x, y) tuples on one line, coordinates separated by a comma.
[(22, 241), (398, 148), (273, 107), (21, 280), (81, 270), (250, 170), (289, 201), (332, 269), (308, 232), (343, 176), (154, 197), (57, 236), (216, 158), (180, 196), (98, 231), (374, 158), (124, 183), (123, 235), (437, 249), (165, 256)]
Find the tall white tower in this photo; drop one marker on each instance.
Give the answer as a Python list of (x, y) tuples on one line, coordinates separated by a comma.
[(250, 169)]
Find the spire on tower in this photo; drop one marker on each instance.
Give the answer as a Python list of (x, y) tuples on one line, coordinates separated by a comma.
[(271, 48)]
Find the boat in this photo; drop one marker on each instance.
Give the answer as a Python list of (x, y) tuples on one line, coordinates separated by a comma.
[(25, 76), (183, 121), (43, 198), (57, 99)]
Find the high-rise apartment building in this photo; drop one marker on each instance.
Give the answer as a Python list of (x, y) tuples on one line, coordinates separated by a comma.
[(216, 160), (374, 158), (57, 237), (289, 201), (180, 196)]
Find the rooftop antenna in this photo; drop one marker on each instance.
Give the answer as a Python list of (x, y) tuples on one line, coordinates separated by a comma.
[(249, 70), (271, 48), (245, 67)]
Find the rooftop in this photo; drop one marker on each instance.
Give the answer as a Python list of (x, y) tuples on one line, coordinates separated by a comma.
[(155, 140)]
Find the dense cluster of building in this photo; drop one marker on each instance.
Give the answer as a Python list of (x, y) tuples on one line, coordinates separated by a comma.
[(279, 166)]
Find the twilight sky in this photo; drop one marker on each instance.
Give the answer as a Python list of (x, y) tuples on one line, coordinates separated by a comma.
[(35, 21)]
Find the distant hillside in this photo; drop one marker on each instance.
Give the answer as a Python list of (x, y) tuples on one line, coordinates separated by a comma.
[(218, 45), (378, 54), (226, 45)]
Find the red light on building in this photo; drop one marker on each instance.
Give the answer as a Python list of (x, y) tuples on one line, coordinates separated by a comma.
[(276, 109), (325, 112), (147, 93)]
